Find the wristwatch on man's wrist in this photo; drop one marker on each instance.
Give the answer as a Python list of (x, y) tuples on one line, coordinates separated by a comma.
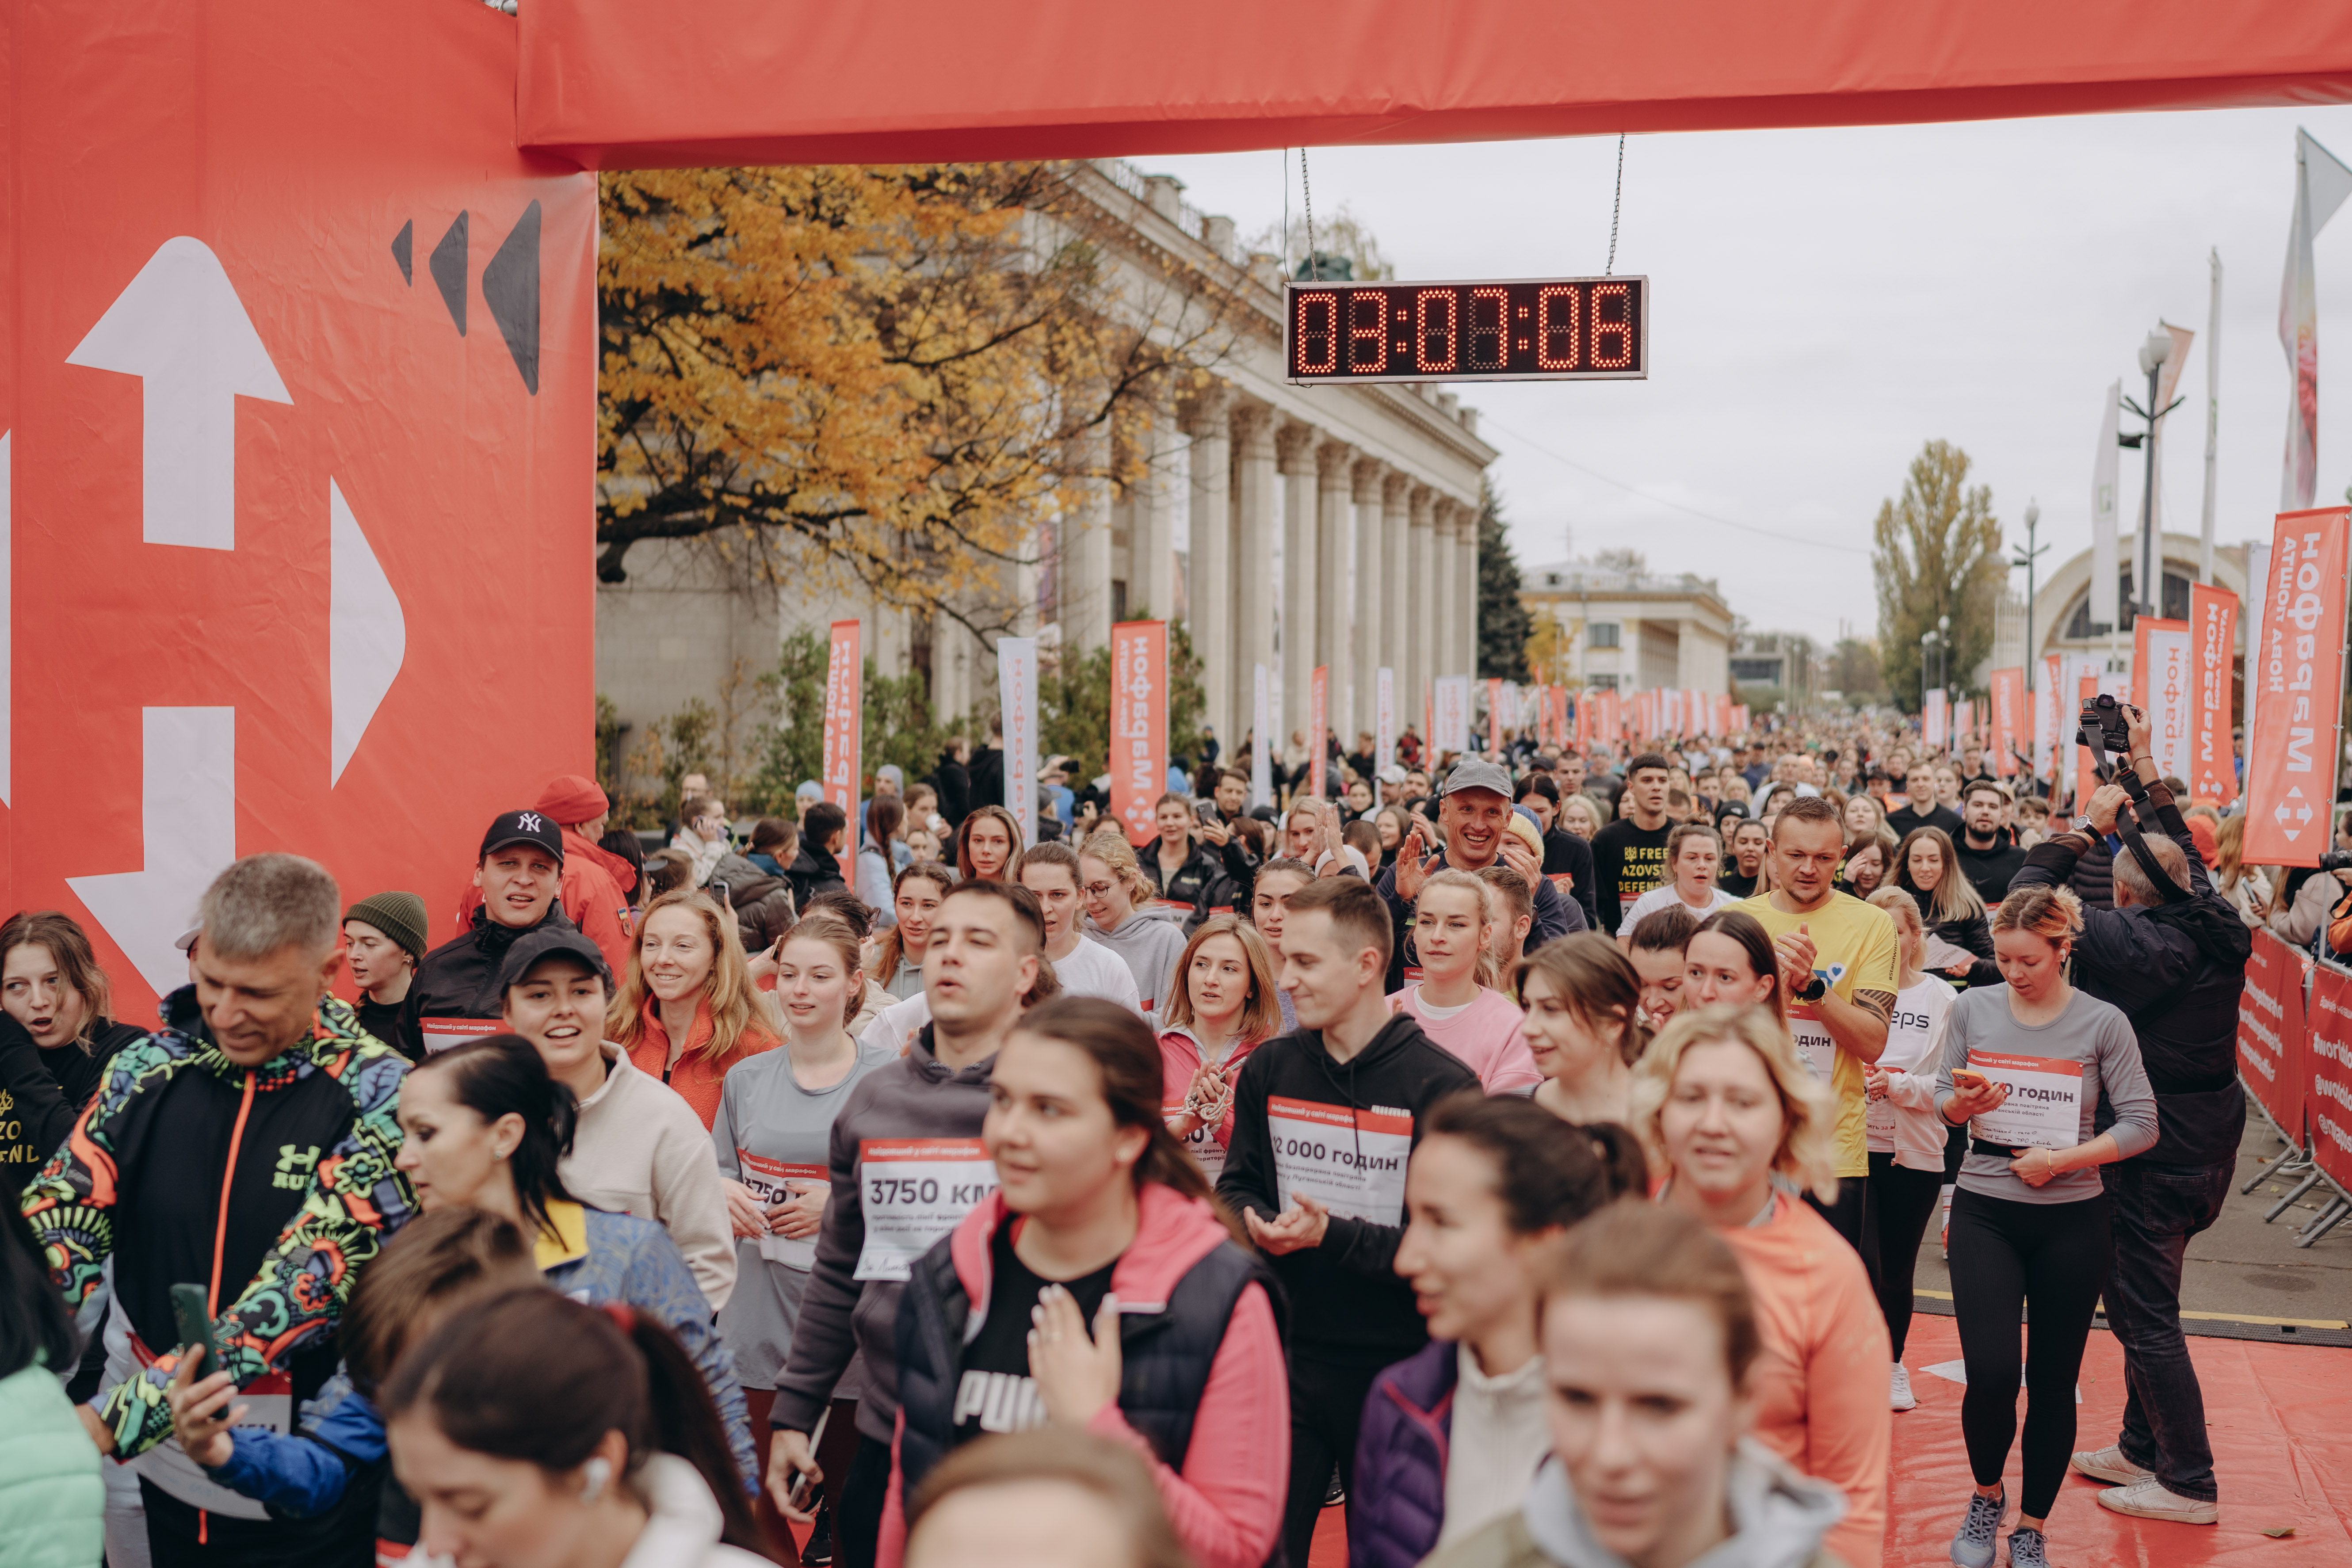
[(2084, 825), (1813, 990)]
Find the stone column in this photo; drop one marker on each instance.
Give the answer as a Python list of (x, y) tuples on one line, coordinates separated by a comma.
[(1366, 651), (1210, 616), (1151, 531), (1257, 549), (1465, 544), (1394, 648), (1086, 558), (1335, 597), (1420, 601), (1446, 641), (1294, 450)]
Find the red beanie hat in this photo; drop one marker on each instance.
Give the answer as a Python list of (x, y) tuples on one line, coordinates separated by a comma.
[(572, 800), (2208, 848)]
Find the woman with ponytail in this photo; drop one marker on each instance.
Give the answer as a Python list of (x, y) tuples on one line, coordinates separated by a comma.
[(1100, 1220), (532, 1429), (485, 1127)]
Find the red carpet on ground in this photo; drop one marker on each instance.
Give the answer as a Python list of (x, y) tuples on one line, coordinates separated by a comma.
[(2282, 1422)]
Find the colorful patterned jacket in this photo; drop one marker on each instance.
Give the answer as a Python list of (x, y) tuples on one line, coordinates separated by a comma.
[(273, 1188)]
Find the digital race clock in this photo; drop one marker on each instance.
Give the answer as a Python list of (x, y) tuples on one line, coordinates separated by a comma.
[(1524, 328)]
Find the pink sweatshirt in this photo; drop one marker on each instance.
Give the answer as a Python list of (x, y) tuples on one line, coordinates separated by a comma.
[(1820, 1384), (1226, 1502), (1489, 1036)]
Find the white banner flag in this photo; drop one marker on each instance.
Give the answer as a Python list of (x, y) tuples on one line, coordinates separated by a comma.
[(1261, 737), (2321, 183), (2104, 573), (1933, 719), (1451, 722), (1016, 697), (1384, 718)]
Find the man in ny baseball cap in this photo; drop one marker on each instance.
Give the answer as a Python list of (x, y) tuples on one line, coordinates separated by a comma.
[(596, 883), (455, 994)]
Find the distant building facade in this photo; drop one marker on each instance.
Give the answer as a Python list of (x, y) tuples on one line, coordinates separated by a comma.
[(1630, 629)]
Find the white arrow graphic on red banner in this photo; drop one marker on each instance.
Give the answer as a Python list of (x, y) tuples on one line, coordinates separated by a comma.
[(181, 329), (180, 326), (2301, 816)]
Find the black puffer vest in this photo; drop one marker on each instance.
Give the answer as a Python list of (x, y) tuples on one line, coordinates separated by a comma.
[(1165, 1355)]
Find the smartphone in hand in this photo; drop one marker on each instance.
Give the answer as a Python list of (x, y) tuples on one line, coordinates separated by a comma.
[(192, 1316)]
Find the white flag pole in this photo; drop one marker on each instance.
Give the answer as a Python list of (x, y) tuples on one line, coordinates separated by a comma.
[(2212, 422), (2104, 575)]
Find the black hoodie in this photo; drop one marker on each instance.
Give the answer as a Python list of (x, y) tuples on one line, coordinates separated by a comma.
[(1344, 1297), (459, 980)]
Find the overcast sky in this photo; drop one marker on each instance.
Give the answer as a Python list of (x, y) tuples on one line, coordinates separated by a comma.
[(1825, 301)]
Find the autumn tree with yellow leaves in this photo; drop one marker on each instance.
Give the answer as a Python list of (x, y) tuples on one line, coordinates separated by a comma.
[(893, 374)]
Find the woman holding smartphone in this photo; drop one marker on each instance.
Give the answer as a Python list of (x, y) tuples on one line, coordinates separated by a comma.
[(2026, 1066)]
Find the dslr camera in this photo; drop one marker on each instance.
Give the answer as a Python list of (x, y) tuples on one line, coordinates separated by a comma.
[(2102, 726)]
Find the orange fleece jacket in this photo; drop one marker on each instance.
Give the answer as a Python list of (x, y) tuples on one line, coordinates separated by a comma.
[(1821, 1381)]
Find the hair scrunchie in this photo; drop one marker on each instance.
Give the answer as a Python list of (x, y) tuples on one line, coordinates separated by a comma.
[(623, 1316)]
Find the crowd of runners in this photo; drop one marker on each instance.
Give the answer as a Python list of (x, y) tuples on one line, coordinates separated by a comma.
[(1527, 1153)]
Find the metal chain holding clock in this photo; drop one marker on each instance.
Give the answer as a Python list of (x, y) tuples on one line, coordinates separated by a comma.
[(1615, 207), (1306, 193)]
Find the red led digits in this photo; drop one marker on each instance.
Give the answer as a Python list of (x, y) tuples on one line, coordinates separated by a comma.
[(1556, 334), (1318, 333), (1490, 340), (1523, 329), (1609, 325), (1368, 339), (1427, 334)]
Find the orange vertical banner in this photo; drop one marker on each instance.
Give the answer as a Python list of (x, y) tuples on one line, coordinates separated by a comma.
[(844, 732), (2291, 756), (1319, 721), (1138, 724), (2212, 647), (2007, 703), (1495, 717)]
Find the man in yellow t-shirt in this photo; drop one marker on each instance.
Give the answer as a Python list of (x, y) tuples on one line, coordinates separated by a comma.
[(1838, 969)]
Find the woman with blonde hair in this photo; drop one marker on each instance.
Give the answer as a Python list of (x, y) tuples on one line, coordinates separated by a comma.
[(1738, 1125), (1583, 1028), (2029, 1222), (1580, 817), (1927, 866), (1124, 913), (2245, 886), (1221, 1008), (1456, 1001), (688, 1010)]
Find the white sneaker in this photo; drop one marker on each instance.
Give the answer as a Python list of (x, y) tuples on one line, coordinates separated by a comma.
[(2150, 1500), (1898, 1392), (2109, 1464)]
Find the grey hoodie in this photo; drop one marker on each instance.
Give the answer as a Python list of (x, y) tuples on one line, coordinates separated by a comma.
[(1779, 1516), (1150, 941)]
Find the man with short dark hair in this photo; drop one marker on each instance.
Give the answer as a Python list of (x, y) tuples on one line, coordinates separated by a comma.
[(915, 1122), (1316, 1171), (1629, 853), (246, 1147), (825, 826), (456, 996), (1916, 783), (2173, 957), (1987, 852)]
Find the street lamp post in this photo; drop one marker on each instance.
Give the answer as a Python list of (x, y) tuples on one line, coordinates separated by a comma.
[(2148, 586), (2026, 556)]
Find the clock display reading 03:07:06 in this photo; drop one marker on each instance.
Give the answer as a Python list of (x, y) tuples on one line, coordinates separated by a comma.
[(1524, 328)]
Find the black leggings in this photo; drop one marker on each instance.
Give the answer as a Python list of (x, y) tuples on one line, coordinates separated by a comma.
[(1902, 1201), (1327, 1408), (2007, 1256)]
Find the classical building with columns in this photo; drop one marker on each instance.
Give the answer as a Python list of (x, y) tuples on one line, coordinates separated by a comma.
[(1285, 526)]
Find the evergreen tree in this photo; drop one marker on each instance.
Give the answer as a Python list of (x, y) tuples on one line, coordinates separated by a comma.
[(1503, 623)]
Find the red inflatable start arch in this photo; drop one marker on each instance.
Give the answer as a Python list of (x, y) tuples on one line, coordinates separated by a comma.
[(297, 309)]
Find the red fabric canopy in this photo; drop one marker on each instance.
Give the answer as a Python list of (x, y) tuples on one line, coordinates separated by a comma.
[(733, 81)]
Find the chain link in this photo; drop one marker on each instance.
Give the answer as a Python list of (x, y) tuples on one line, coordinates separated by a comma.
[(1613, 206), (1306, 195)]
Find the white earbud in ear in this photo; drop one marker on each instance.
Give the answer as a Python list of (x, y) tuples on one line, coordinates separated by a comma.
[(599, 1474)]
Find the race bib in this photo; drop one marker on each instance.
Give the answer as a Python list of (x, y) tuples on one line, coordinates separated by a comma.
[(776, 1182), (1201, 1143), (449, 1034), (914, 1191), (1879, 1123), (1352, 1161), (1564, 881), (2044, 1109), (1814, 1045)]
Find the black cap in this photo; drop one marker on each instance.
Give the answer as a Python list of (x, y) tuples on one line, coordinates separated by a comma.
[(551, 942), (525, 828)]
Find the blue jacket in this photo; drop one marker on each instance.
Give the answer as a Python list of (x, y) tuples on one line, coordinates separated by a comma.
[(1398, 1496), (596, 1256), (304, 1474)]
